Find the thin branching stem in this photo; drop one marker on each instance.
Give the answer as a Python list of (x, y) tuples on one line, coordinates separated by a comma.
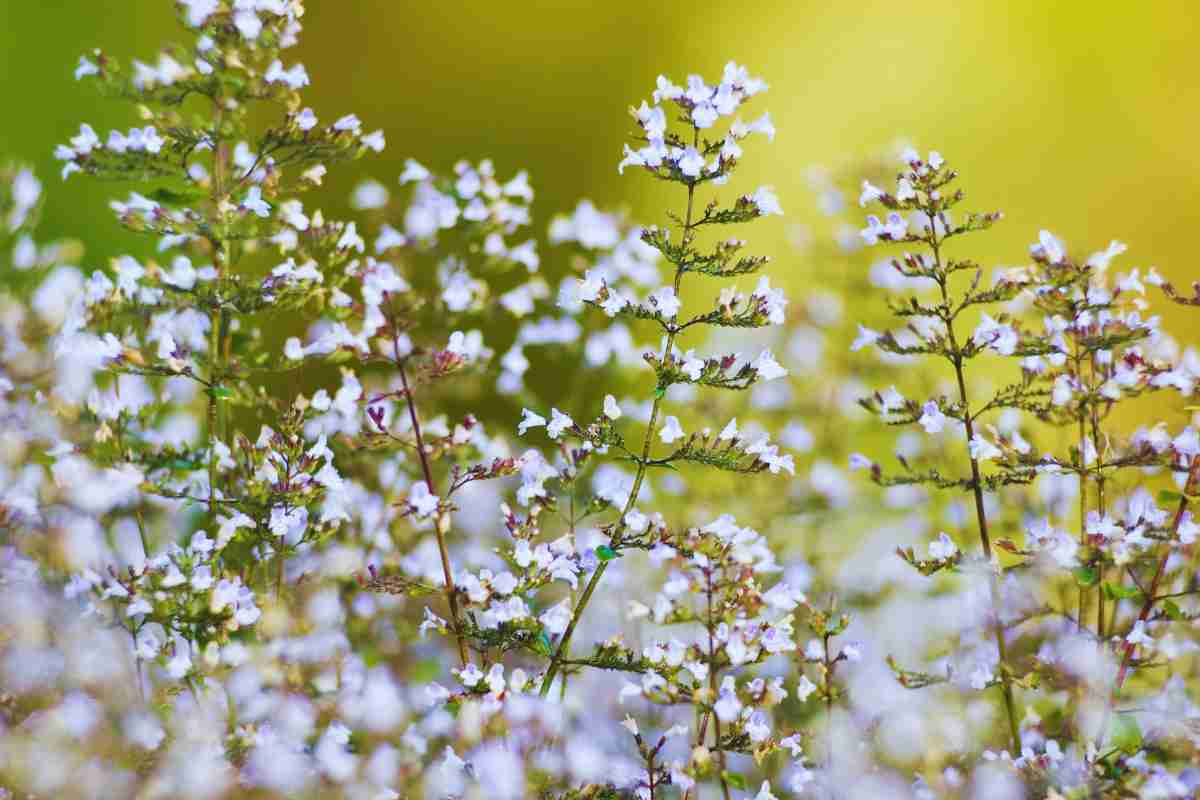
[(985, 539), (647, 441), (442, 523)]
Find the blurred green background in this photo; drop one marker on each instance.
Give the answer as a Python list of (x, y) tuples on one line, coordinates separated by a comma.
[(1077, 116)]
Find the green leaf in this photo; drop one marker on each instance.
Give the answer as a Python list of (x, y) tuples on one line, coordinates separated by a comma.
[(172, 197), (1118, 592), (1126, 733), (605, 553), (735, 779), (221, 392), (1173, 610), (1169, 496), (1085, 576), (542, 645)]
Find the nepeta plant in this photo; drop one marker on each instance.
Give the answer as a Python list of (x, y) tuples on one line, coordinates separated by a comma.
[(1095, 351), (245, 477), (216, 193), (934, 329), (477, 212), (691, 160)]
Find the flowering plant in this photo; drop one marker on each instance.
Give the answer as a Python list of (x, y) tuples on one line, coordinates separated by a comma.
[(287, 511)]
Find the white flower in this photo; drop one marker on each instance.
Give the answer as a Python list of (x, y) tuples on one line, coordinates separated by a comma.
[(413, 172), (1050, 247), (866, 337), (375, 142), (589, 288), (559, 422), (893, 228), (870, 193), (495, 679), (671, 430), (804, 688), (727, 706), (758, 727), (611, 409), (764, 792), (180, 664), (1139, 635), (424, 502), (254, 202), (981, 677), (630, 724), (1101, 259), (704, 115), (350, 123), (767, 367), (983, 450), (666, 90), (763, 125), (932, 419), (665, 301), (296, 77), (470, 675), (690, 162), (1063, 390), (198, 11), (766, 201), (990, 333), (943, 548), (636, 521), (556, 618), (86, 68), (529, 419), (306, 120), (248, 24)]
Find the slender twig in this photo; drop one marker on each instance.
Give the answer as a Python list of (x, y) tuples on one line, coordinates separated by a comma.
[(1151, 599), (712, 684), (442, 523), (977, 492)]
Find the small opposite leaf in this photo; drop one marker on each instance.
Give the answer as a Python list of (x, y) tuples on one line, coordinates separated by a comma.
[(1169, 496), (1119, 592), (1085, 576), (173, 197), (605, 553), (1126, 733), (735, 779), (1173, 610)]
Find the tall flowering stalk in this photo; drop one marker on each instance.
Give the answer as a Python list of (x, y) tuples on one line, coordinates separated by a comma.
[(392, 323), (214, 193), (935, 329), (691, 160)]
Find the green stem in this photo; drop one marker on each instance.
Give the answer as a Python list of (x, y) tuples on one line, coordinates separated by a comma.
[(713, 689), (1151, 593), (561, 652), (977, 492)]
